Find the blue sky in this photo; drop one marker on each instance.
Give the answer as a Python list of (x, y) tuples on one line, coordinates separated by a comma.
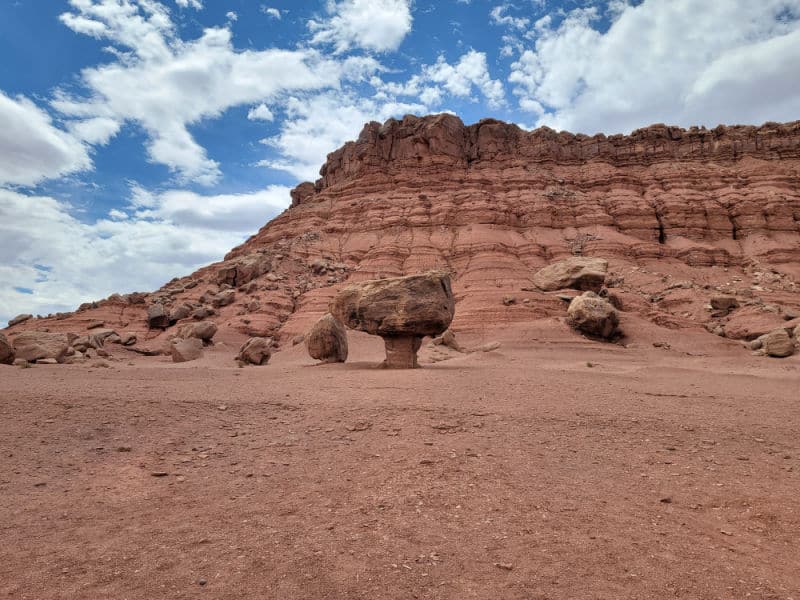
[(140, 139)]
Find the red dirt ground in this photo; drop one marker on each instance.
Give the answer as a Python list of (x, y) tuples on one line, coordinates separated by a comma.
[(521, 473)]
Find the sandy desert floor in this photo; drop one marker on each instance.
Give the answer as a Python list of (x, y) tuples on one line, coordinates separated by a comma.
[(552, 467)]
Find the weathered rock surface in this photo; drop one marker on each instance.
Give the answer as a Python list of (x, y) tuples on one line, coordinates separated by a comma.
[(579, 272), (402, 310), (778, 344), (202, 330), (19, 319), (680, 215), (157, 317), (327, 340), (35, 345), (7, 352), (255, 351), (184, 350), (591, 314)]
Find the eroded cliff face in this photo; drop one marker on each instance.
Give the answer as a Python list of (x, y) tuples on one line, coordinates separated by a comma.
[(680, 214)]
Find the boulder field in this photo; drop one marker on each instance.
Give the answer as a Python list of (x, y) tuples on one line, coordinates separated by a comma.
[(683, 228)]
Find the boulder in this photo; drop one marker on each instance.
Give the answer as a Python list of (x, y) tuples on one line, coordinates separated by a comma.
[(778, 344), (223, 299), (184, 350), (35, 345), (157, 317), (448, 338), (592, 315), (402, 310), (181, 311), (327, 340), (723, 303), (578, 272), (255, 351), (7, 353), (19, 319), (202, 330), (203, 313)]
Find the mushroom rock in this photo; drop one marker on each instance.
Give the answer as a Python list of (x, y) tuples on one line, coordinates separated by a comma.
[(327, 340), (402, 310)]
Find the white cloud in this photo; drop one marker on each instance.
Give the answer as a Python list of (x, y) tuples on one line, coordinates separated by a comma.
[(231, 16), (260, 113), (682, 62), (379, 25), (469, 73), (166, 84), (318, 125), (77, 262), (272, 12), (498, 17), (196, 4), (32, 148)]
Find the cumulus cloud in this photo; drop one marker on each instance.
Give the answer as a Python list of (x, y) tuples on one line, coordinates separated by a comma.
[(379, 25), (272, 12), (63, 261), (468, 74), (166, 84), (260, 113), (683, 62), (32, 147), (196, 4), (498, 16), (320, 124)]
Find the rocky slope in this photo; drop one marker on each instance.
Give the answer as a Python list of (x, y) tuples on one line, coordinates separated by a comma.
[(681, 216)]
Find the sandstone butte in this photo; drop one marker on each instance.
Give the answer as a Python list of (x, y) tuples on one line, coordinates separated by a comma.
[(680, 214)]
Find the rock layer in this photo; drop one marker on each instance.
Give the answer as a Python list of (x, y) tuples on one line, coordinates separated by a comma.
[(680, 215)]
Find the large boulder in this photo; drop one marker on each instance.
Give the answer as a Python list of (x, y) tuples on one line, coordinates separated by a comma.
[(578, 272), (223, 299), (7, 353), (157, 317), (592, 315), (36, 345), (202, 330), (402, 310), (327, 340), (184, 350), (255, 351), (778, 344), (19, 319)]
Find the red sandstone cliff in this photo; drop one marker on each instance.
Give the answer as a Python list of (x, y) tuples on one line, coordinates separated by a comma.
[(680, 214)]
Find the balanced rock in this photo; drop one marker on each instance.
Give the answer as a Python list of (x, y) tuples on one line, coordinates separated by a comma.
[(7, 353), (202, 330), (184, 350), (327, 340), (578, 272), (402, 310), (778, 344), (157, 317), (255, 351), (35, 345), (591, 314)]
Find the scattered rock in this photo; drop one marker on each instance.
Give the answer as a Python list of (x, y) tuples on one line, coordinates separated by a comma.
[(509, 300), (184, 350), (7, 352), (128, 339), (157, 317), (203, 330), (95, 324), (327, 340), (778, 344), (401, 310), (255, 351), (46, 361), (448, 339), (725, 303), (594, 316), (22, 363), (19, 319), (224, 298), (35, 345), (182, 311), (578, 272)]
